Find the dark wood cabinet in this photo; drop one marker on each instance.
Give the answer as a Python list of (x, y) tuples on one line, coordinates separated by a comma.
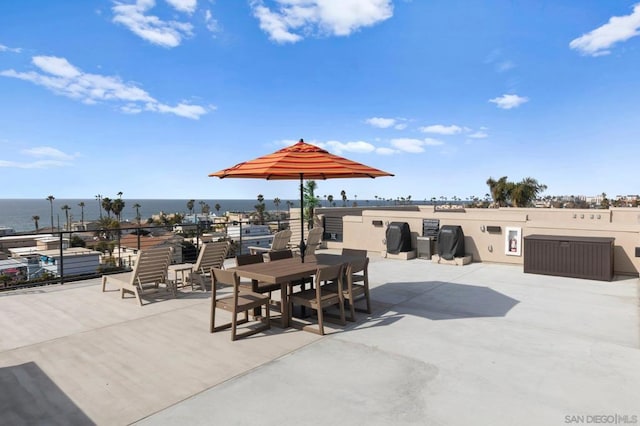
[(579, 257)]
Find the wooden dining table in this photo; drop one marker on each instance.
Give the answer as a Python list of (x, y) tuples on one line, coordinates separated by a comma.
[(286, 270)]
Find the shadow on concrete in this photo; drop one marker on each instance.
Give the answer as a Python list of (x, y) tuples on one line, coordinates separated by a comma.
[(437, 300), (30, 397)]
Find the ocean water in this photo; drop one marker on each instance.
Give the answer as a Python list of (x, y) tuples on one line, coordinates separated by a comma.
[(18, 213)]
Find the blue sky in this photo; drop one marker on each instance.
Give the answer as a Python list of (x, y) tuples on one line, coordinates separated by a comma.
[(148, 97)]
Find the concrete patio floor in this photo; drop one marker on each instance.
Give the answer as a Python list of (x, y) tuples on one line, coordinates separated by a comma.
[(445, 345)]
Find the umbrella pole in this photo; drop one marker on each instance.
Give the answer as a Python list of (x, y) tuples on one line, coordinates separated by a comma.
[(303, 247)]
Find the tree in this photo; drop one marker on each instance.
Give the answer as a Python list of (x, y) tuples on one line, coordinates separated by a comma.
[(117, 206), (51, 198), (106, 205), (260, 207), (36, 218), (605, 201), (137, 207), (217, 207), (66, 209), (190, 205), (202, 204), (99, 198), (276, 202), (500, 191), (81, 204), (108, 228), (343, 194), (525, 192), (521, 194), (310, 200)]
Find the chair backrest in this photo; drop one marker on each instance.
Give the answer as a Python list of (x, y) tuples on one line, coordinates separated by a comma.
[(249, 259), (281, 254), (281, 239), (356, 266), (211, 255), (331, 273), (152, 265), (224, 277), (354, 252), (314, 239)]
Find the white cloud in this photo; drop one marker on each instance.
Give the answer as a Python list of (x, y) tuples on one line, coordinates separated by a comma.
[(46, 157), (480, 134), (385, 123), (340, 147), (332, 17), (47, 151), (187, 6), (414, 145), (4, 48), (149, 27), (386, 151), (509, 101), (505, 66), (380, 122), (211, 23), (441, 129), (62, 78), (619, 28)]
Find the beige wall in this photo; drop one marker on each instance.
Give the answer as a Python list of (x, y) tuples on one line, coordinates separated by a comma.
[(623, 224)]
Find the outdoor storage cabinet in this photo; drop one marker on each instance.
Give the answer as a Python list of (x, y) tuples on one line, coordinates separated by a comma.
[(578, 257)]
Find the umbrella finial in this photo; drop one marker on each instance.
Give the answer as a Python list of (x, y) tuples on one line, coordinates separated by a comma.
[(301, 140)]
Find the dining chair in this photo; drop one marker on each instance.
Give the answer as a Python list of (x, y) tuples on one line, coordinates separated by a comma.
[(354, 252), (240, 301), (255, 285), (357, 273), (288, 254), (321, 297)]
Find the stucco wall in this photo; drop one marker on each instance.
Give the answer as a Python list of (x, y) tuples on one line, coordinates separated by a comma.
[(623, 224)]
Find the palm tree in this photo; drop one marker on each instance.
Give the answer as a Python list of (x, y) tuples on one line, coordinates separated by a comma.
[(137, 207), (343, 194), (107, 205), (202, 203), (500, 191), (276, 202), (117, 206), (217, 207), (190, 205), (330, 199), (51, 198), (119, 194), (36, 218), (66, 209), (81, 204), (99, 198)]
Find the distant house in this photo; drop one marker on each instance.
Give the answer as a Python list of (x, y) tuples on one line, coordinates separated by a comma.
[(131, 244)]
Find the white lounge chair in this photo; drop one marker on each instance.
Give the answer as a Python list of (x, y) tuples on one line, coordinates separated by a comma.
[(149, 273)]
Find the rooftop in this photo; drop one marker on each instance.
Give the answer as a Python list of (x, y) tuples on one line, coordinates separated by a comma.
[(448, 345)]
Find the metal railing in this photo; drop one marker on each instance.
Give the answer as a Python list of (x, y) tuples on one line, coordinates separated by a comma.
[(66, 256)]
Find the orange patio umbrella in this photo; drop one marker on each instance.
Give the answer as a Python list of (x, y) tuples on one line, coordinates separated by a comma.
[(300, 161)]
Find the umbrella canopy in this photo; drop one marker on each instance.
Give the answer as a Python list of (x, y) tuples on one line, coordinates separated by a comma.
[(300, 161)]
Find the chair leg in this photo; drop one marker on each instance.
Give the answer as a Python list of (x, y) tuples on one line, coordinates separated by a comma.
[(352, 310), (234, 323), (212, 326), (321, 323)]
